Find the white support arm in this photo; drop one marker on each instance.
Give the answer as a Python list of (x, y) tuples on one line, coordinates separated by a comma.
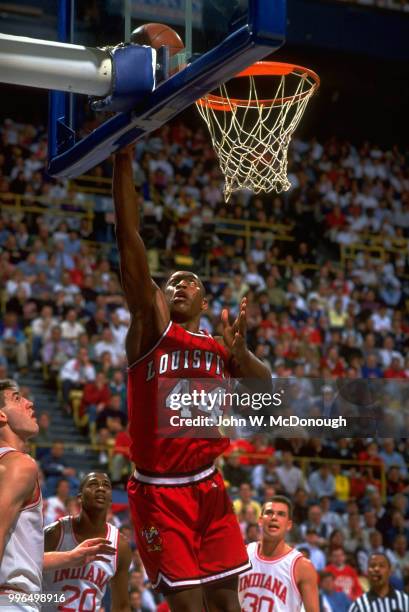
[(54, 65)]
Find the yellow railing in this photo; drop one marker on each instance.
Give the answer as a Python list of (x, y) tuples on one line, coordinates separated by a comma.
[(306, 461), (303, 461), (20, 204)]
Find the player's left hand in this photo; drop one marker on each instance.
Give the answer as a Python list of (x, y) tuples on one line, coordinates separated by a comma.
[(91, 550), (235, 335)]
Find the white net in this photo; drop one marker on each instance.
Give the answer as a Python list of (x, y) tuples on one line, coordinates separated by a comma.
[(251, 136)]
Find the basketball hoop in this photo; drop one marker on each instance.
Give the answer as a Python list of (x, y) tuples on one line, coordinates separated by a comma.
[(251, 136)]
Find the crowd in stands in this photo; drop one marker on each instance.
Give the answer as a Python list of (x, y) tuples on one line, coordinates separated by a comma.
[(334, 325)]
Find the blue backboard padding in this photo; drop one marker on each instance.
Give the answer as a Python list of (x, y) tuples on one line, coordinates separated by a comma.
[(263, 35)]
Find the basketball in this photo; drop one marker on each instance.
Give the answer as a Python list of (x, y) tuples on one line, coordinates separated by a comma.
[(157, 35)]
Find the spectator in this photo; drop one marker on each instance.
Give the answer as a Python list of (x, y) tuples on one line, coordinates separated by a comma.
[(291, 477), (75, 374), (120, 461), (135, 601), (107, 344), (56, 505), (43, 439), (56, 352), (13, 341), (136, 581), (234, 473), (117, 386), (95, 397), (391, 457), (321, 482), (316, 555), (55, 466), (345, 577), (111, 417), (246, 499), (265, 474), (401, 554), (315, 524), (329, 517), (338, 600), (71, 328), (41, 328)]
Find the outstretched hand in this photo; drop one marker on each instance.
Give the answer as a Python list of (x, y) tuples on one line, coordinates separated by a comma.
[(235, 335), (91, 550)]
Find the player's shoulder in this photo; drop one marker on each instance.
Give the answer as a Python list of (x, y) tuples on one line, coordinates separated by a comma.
[(303, 568), (53, 533), (17, 463)]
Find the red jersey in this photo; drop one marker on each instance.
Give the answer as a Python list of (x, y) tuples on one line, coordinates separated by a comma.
[(178, 354), (346, 580)]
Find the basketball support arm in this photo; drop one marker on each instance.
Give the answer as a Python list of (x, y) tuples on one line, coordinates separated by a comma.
[(124, 73)]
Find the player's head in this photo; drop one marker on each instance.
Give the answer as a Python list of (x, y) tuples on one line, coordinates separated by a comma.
[(379, 570), (16, 412), (95, 492), (338, 556), (186, 296), (276, 518)]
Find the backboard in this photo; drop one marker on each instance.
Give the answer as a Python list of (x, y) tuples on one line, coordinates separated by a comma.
[(222, 37)]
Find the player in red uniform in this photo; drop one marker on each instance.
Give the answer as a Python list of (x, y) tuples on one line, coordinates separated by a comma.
[(188, 536)]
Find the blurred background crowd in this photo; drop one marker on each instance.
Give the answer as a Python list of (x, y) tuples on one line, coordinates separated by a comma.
[(325, 270)]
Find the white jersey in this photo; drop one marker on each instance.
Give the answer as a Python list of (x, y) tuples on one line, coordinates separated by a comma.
[(22, 563), (270, 585), (83, 587)]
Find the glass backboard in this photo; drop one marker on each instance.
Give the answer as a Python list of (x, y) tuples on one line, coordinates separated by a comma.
[(222, 37)]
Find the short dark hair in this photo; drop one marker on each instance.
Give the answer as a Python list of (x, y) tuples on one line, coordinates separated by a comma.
[(324, 575), (5, 384), (380, 554), (200, 283), (87, 476), (280, 499), (251, 526)]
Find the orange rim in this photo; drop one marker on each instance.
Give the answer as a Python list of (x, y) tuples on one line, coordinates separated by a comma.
[(263, 69)]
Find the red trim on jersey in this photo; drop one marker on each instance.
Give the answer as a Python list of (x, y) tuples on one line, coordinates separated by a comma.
[(165, 333), (10, 450), (116, 544), (260, 557), (75, 537), (200, 333), (61, 533), (292, 574), (34, 502), (174, 474), (186, 582)]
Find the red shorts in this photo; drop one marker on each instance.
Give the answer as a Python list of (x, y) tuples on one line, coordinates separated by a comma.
[(187, 532)]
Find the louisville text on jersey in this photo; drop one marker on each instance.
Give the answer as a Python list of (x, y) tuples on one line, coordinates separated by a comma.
[(178, 361)]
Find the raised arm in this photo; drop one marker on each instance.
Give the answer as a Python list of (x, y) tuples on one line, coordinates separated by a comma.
[(149, 312), (18, 479), (245, 363)]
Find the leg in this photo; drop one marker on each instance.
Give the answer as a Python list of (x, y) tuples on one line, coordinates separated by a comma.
[(67, 385), (223, 596), (188, 600)]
